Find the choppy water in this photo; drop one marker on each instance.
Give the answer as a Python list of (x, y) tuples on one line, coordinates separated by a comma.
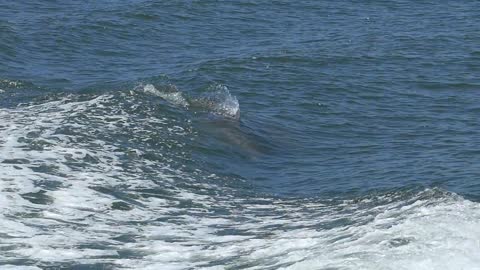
[(239, 135)]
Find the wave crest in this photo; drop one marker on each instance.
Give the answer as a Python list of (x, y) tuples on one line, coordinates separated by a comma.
[(170, 93), (216, 100)]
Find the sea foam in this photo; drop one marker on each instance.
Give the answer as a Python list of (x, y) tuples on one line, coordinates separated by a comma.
[(72, 192)]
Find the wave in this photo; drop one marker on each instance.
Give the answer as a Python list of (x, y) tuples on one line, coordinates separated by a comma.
[(109, 181), (427, 230)]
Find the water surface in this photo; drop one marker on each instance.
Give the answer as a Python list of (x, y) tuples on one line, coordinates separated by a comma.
[(239, 135)]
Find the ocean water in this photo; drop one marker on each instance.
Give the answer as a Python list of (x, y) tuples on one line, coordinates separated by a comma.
[(252, 134)]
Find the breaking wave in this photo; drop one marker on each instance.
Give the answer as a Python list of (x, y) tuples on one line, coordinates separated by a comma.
[(102, 181)]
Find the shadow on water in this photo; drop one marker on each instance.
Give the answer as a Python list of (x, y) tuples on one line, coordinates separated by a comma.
[(231, 137), (216, 117)]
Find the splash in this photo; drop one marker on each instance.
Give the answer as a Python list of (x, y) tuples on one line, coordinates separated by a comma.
[(170, 93), (216, 100), (219, 101)]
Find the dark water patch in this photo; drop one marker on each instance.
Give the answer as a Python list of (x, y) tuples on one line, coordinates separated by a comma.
[(127, 199), (126, 238), (39, 197), (48, 184), (16, 161)]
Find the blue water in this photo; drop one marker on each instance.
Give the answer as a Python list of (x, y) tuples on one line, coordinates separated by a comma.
[(239, 135)]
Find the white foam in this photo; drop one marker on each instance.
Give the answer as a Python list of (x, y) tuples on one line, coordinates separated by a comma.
[(17, 267), (183, 227), (441, 236)]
